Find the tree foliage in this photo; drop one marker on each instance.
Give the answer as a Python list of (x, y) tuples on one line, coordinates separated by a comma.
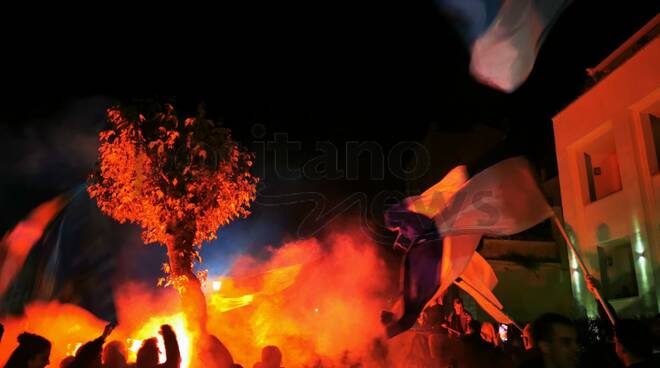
[(180, 179)]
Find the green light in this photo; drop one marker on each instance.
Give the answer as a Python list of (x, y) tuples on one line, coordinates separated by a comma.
[(641, 261)]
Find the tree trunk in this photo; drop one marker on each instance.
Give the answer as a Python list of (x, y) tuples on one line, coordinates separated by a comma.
[(193, 302)]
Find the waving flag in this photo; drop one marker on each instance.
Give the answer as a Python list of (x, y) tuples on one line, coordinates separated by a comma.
[(457, 254), (501, 200), (479, 280), (420, 279), (504, 199), (504, 36), (17, 244), (435, 199), (72, 258)]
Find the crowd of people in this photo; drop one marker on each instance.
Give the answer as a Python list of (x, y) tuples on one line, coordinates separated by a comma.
[(455, 339), (439, 339), (33, 351)]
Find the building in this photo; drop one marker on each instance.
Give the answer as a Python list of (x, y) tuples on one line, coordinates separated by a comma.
[(608, 153)]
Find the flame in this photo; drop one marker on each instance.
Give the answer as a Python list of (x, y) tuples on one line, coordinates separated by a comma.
[(152, 328), (217, 285), (309, 299), (225, 304), (68, 327), (72, 349)]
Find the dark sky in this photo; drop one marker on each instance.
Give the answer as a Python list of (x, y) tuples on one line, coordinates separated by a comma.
[(317, 72)]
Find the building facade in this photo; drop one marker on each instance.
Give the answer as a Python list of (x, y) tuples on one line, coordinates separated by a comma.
[(608, 153)]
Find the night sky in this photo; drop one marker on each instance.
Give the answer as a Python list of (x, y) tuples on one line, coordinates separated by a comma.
[(317, 72)]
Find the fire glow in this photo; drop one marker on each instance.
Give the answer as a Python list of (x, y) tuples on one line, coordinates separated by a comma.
[(152, 328), (308, 299)]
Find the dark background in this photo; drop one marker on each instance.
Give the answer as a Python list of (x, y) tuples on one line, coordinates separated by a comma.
[(327, 71)]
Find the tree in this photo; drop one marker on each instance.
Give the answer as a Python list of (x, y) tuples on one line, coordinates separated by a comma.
[(180, 180)]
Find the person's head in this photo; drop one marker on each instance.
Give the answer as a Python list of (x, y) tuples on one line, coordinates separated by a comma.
[(271, 357), (528, 341), (114, 354), (458, 305), (488, 334), (89, 355), (633, 341), (33, 351), (147, 356), (556, 338)]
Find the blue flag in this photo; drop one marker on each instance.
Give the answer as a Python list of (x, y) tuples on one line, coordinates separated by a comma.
[(421, 265), (504, 36)]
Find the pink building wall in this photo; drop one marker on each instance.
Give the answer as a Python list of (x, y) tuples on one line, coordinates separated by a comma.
[(619, 105)]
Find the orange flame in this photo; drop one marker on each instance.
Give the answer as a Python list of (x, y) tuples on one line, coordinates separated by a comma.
[(152, 328), (316, 300)]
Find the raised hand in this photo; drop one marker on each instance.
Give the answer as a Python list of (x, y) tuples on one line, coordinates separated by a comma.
[(108, 330)]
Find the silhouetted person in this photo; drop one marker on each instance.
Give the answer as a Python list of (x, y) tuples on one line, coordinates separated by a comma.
[(2, 331), (66, 362), (114, 355), (556, 342), (216, 353), (470, 350), (147, 356), (434, 314), (271, 357), (634, 343), (33, 351), (89, 355)]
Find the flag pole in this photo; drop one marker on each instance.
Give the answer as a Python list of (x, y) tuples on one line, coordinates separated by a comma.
[(584, 269), (460, 279)]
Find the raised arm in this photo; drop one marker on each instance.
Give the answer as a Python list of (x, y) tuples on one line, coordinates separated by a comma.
[(172, 353)]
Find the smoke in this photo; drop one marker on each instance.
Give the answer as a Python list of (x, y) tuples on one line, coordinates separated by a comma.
[(58, 152), (318, 300), (329, 312)]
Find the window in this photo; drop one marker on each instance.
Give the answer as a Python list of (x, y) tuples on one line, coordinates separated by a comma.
[(617, 270), (601, 168), (649, 117), (655, 130)]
